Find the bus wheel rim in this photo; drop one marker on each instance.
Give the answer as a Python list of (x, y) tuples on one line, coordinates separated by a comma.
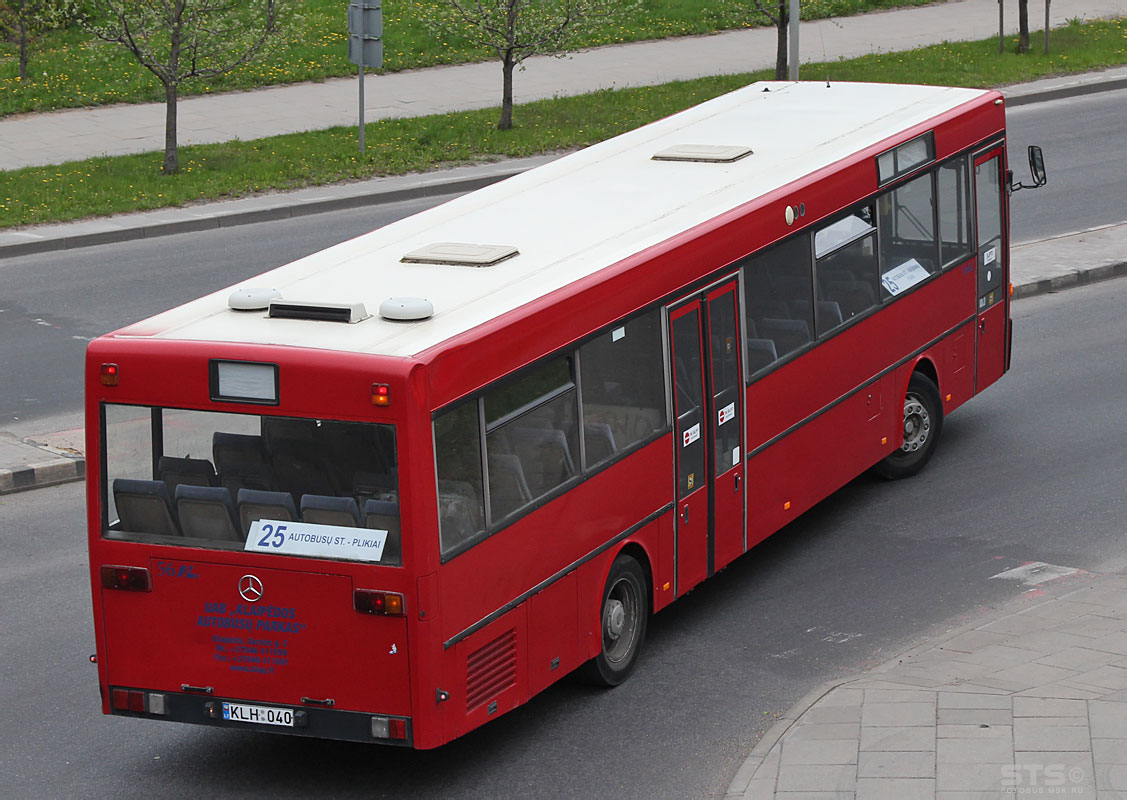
[(917, 424), (620, 621)]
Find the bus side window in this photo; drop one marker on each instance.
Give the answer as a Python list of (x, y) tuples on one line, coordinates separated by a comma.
[(778, 301), (955, 242), (846, 268), (531, 439), (623, 384), (457, 444), (909, 249)]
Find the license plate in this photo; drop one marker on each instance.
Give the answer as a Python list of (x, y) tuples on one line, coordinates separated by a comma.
[(262, 715)]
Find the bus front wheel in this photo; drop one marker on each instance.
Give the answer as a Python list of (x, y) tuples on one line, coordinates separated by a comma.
[(923, 420), (622, 622)]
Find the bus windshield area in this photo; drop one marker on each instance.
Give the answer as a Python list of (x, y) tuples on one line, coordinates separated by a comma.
[(306, 487)]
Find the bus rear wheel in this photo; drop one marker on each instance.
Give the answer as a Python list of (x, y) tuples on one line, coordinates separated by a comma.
[(923, 420), (622, 622)]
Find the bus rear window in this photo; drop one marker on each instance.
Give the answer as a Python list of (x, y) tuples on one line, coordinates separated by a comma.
[(242, 481)]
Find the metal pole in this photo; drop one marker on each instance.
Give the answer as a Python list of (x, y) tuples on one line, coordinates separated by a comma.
[(792, 70), (1001, 28), (360, 70), (1047, 26)]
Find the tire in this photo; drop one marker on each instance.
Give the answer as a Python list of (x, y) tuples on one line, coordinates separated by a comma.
[(923, 421), (622, 621)]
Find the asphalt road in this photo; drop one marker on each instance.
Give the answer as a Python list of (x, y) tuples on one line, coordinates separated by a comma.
[(51, 304), (1032, 470)]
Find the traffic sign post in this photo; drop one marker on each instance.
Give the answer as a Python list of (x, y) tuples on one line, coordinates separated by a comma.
[(365, 44)]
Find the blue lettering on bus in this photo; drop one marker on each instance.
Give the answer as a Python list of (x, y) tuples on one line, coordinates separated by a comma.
[(173, 570)]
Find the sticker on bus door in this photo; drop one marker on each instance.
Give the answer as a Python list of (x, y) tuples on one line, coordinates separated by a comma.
[(308, 539), (727, 413), (690, 435)]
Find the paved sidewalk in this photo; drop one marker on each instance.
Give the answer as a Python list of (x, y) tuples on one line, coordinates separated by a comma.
[(1029, 702), (61, 136)]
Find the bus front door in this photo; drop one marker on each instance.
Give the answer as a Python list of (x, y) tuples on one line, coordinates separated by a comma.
[(708, 404), (992, 300)]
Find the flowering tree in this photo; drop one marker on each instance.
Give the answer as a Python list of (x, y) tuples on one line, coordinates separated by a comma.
[(23, 20), (182, 40), (517, 29)]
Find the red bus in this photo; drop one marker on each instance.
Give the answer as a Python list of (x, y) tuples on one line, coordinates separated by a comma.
[(394, 489)]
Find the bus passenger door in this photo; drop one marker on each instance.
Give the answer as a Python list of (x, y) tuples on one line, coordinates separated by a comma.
[(691, 435), (707, 401), (992, 300)]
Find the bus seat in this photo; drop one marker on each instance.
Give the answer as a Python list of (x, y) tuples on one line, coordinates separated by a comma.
[(191, 471), (829, 314), (145, 507), (241, 462), (207, 512), (508, 489), (599, 438), (464, 499), (299, 469), (544, 455), (760, 353), (380, 515), (854, 297), (459, 517), (255, 504), (325, 510), (788, 334)]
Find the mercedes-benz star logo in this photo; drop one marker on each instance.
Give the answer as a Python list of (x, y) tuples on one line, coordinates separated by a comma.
[(250, 588)]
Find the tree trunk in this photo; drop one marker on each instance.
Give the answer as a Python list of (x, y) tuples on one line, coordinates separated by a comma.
[(508, 63), (22, 32), (781, 72), (171, 150), (1023, 26)]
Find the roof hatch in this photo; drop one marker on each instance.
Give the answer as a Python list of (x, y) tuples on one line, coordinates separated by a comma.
[(323, 312), (460, 254), (708, 153)]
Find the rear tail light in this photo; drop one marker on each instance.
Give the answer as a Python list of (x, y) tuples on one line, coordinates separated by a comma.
[(131, 579), (371, 601), (381, 394), (137, 701), (389, 728)]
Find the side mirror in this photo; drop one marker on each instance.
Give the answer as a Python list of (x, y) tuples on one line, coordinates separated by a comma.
[(1037, 165), (1036, 168)]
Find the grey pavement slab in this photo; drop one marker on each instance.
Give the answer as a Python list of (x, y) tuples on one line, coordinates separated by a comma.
[(978, 745), (36, 139)]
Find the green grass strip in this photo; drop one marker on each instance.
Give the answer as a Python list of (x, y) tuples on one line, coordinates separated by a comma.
[(103, 186)]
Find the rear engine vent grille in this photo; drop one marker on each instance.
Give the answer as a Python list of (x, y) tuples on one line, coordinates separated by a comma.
[(460, 254), (322, 312), (491, 670), (708, 153)]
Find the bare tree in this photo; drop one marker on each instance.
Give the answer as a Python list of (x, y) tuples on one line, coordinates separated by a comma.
[(183, 40), (517, 29), (22, 20)]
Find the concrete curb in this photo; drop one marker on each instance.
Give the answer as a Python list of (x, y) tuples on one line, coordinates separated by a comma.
[(45, 473), (746, 773), (252, 216), (1060, 92), (1070, 280)]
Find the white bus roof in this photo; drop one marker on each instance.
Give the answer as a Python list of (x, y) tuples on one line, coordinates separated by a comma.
[(568, 219)]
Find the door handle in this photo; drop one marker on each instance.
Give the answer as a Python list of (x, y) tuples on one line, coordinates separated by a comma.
[(737, 481), (982, 326), (685, 514)]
